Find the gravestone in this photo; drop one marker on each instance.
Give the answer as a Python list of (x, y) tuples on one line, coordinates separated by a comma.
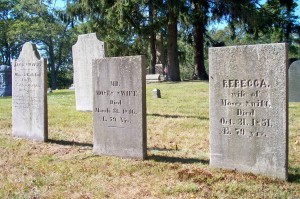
[(5, 81), (72, 87), (29, 95), (153, 78), (87, 48), (156, 93), (159, 69), (248, 109), (294, 82), (119, 111)]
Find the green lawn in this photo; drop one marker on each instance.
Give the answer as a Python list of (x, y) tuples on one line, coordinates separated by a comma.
[(178, 154)]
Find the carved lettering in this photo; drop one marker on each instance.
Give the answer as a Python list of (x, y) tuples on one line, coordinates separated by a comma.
[(237, 83)]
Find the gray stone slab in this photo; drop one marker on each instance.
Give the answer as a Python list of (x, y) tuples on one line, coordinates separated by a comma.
[(248, 109), (294, 81), (72, 87), (119, 111), (153, 77), (29, 95), (87, 48), (156, 93), (159, 69), (5, 81)]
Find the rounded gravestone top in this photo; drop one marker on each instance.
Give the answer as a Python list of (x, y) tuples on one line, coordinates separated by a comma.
[(295, 66), (294, 81), (4, 68)]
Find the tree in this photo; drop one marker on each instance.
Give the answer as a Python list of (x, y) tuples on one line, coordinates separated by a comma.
[(199, 21), (172, 35), (152, 35), (9, 47), (39, 22), (282, 21)]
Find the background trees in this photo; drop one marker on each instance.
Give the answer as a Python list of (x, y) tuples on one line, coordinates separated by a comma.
[(130, 27)]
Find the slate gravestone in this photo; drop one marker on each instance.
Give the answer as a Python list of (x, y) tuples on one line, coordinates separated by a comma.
[(29, 95), (294, 82), (119, 111), (87, 48), (5, 81), (248, 109)]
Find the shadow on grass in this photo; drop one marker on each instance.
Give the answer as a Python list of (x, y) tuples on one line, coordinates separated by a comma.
[(176, 116), (294, 175), (61, 93), (69, 143), (161, 149), (167, 159)]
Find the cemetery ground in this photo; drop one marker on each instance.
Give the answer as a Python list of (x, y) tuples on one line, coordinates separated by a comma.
[(178, 154)]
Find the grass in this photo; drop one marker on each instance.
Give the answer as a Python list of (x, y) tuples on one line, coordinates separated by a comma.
[(178, 155)]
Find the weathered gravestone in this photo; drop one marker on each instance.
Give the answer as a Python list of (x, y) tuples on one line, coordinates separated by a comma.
[(5, 81), (119, 111), (248, 109), (29, 95), (294, 82), (156, 93), (87, 48), (153, 78)]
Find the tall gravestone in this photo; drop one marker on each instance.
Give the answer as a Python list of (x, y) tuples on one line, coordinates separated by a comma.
[(294, 81), (5, 81), (29, 95), (87, 48), (248, 109), (119, 111)]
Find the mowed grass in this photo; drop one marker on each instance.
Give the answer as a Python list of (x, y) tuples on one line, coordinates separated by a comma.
[(178, 154)]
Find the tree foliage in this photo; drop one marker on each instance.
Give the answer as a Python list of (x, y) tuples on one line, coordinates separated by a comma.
[(130, 27)]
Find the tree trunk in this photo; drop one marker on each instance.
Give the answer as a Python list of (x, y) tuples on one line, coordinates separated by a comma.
[(152, 37), (173, 63), (198, 35), (52, 66)]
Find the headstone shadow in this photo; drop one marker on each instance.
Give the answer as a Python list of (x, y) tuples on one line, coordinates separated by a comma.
[(69, 143), (295, 176), (176, 116), (168, 159)]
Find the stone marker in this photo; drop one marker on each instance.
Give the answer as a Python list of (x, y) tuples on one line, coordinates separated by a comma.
[(294, 81), (119, 111), (87, 48), (156, 93), (72, 87), (248, 109), (153, 78), (29, 95), (5, 81)]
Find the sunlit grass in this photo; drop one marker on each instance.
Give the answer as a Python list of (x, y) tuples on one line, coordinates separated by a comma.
[(176, 167)]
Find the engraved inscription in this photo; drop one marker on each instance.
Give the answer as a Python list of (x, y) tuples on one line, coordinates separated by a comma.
[(26, 77), (245, 105), (114, 114)]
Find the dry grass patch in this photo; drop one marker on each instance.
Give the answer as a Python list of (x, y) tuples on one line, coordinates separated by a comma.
[(178, 155)]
